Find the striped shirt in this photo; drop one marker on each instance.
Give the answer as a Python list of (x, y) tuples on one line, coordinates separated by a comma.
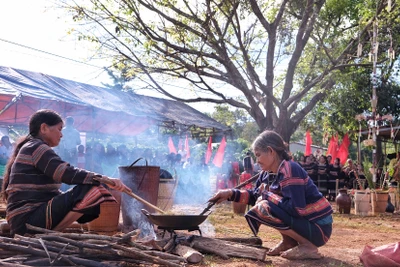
[(36, 177), (291, 190)]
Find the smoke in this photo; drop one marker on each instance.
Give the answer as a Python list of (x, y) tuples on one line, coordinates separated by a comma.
[(133, 218), (194, 185)]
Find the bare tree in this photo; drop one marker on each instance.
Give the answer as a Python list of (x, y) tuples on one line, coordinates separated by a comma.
[(274, 59)]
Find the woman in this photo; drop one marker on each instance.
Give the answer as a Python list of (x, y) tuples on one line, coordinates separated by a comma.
[(288, 201), (311, 168), (34, 175), (323, 172), (335, 172)]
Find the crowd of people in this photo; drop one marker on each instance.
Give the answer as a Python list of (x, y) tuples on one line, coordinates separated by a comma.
[(324, 171)]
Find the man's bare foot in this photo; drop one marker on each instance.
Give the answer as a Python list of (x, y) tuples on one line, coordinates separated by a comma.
[(281, 247)]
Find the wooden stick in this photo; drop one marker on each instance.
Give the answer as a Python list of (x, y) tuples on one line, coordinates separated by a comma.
[(107, 181), (248, 181), (37, 252), (131, 252)]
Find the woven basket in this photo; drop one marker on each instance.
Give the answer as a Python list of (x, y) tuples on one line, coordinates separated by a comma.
[(166, 193), (109, 215)]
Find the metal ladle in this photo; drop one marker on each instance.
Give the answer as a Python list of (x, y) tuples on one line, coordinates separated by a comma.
[(248, 181)]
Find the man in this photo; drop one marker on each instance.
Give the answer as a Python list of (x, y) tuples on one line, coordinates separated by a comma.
[(248, 163), (71, 139)]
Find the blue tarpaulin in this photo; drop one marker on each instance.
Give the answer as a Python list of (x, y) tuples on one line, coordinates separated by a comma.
[(94, 108)]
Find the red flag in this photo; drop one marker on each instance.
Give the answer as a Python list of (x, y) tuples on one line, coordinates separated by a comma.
[(209, 151), (171, 146), (333, 148), (219, 156), (308, 144), (343, 151), (187, 148)]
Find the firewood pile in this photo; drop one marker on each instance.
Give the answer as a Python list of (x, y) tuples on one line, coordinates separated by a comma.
[(51, 248)]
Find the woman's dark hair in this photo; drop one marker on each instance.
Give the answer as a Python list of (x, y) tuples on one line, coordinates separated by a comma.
[(271, 139), (46, 116)]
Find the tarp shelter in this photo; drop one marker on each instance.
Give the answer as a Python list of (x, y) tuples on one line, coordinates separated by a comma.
[(94, 109)]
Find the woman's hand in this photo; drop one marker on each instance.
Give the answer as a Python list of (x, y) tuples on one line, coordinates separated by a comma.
[(118, 185), (221, 196), (262, 188)]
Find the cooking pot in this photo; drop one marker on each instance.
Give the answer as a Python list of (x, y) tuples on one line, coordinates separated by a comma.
[(175, 222)]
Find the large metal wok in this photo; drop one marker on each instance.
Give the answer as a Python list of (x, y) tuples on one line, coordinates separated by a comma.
[(175, 222), (186, 222)]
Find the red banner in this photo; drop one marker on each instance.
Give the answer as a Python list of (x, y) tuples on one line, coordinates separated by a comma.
[(219, 156), (343, 151), (171, 146), (333, 148), (308, 150)]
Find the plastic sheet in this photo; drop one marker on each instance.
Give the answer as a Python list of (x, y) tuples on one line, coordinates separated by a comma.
[(386, 255)]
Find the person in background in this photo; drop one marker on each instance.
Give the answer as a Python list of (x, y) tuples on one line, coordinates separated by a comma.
[(98, 154), (350, 165), (71, 139), (302, 161), (335, 172), (311, 168), (323, 172), (124, 158), (6, 149), (287, 201), (68, 146), (248, 163), (33, 177), (81, 162), (329, 159), (110, 163)]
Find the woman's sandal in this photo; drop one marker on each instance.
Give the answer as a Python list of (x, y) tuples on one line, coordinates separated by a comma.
[(298, 254)]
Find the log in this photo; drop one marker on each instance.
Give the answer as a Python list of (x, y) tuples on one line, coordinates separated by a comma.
[(189, 254), (163, 255), (135, 253), (251, 241), (228, 248)]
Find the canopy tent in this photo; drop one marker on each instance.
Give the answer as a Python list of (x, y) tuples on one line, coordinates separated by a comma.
[(95, 109)]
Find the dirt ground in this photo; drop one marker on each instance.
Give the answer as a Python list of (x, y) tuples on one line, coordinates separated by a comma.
[(350, 235)]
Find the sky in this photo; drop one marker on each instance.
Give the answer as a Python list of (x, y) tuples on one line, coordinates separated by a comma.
[(33, 37)]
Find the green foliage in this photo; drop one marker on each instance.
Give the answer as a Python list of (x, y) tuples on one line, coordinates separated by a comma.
[(261, 63), (242, 125)]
